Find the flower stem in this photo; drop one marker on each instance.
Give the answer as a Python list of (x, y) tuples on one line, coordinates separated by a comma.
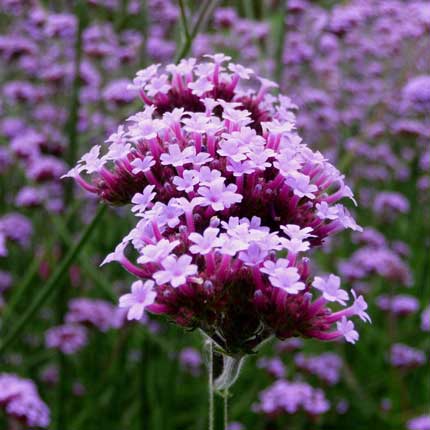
[(184, 20), (211, 383), (204, 13), (225, 395), (279, 37), (22, 288), (71, 130), (52, 285)]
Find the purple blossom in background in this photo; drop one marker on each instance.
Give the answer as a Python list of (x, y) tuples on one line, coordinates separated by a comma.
[(380, 260), (17, 228), (289, 345), (68, 338), (19, 399), (49, 375), (400, 304), (390, 203), (235, 426), (273, 366), (191, 360), (404, 356), (419, 423), (94, 313), (416, 92), (5, 281), (291, 397), (425, 319), (326, 366)]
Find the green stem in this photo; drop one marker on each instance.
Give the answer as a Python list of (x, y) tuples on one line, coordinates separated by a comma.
[(280, 41), (143, 55), (143, 385), (225, 395), (52, 285), (97, 277), (184, 20), (211, 384), (71, 129), (31, 272), (204, 14), (21, 289)]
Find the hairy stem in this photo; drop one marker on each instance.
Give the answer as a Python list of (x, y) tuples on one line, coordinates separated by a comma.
[(211, 384), (226, 394)]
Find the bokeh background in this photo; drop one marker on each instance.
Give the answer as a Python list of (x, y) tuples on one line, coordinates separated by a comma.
[(359, 72)]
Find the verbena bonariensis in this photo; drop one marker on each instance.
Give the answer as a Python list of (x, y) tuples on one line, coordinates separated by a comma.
[(229, 200), (20, 400)]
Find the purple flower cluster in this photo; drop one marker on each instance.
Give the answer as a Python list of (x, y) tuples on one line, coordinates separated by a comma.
[(19, 399), (326, 366), (222, 184), (416, 93), (419, 423), (68, 338), (291, 397), (382, 261), (405, 357), (401, 304), (388, 204), (191, 361), (16, 228), (273, 366), (425, 319), (93, 313)]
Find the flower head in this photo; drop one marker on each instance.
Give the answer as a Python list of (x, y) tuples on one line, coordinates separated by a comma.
[(222, 184)]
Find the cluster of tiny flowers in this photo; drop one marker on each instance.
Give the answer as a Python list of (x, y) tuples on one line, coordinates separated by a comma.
[(416, 93), (19, 399), (229, 199), (382, 261), (326, 366), (93, 313), (291, 397), (425, 319), (16, 228), (273, 366), (405, 357), (400, 304), (191, 361), (389, 204), (419, 423), (68, 338)]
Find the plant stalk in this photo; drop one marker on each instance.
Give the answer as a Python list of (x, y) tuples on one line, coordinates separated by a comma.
[(204, 14), (211, 384), (52, 285)]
